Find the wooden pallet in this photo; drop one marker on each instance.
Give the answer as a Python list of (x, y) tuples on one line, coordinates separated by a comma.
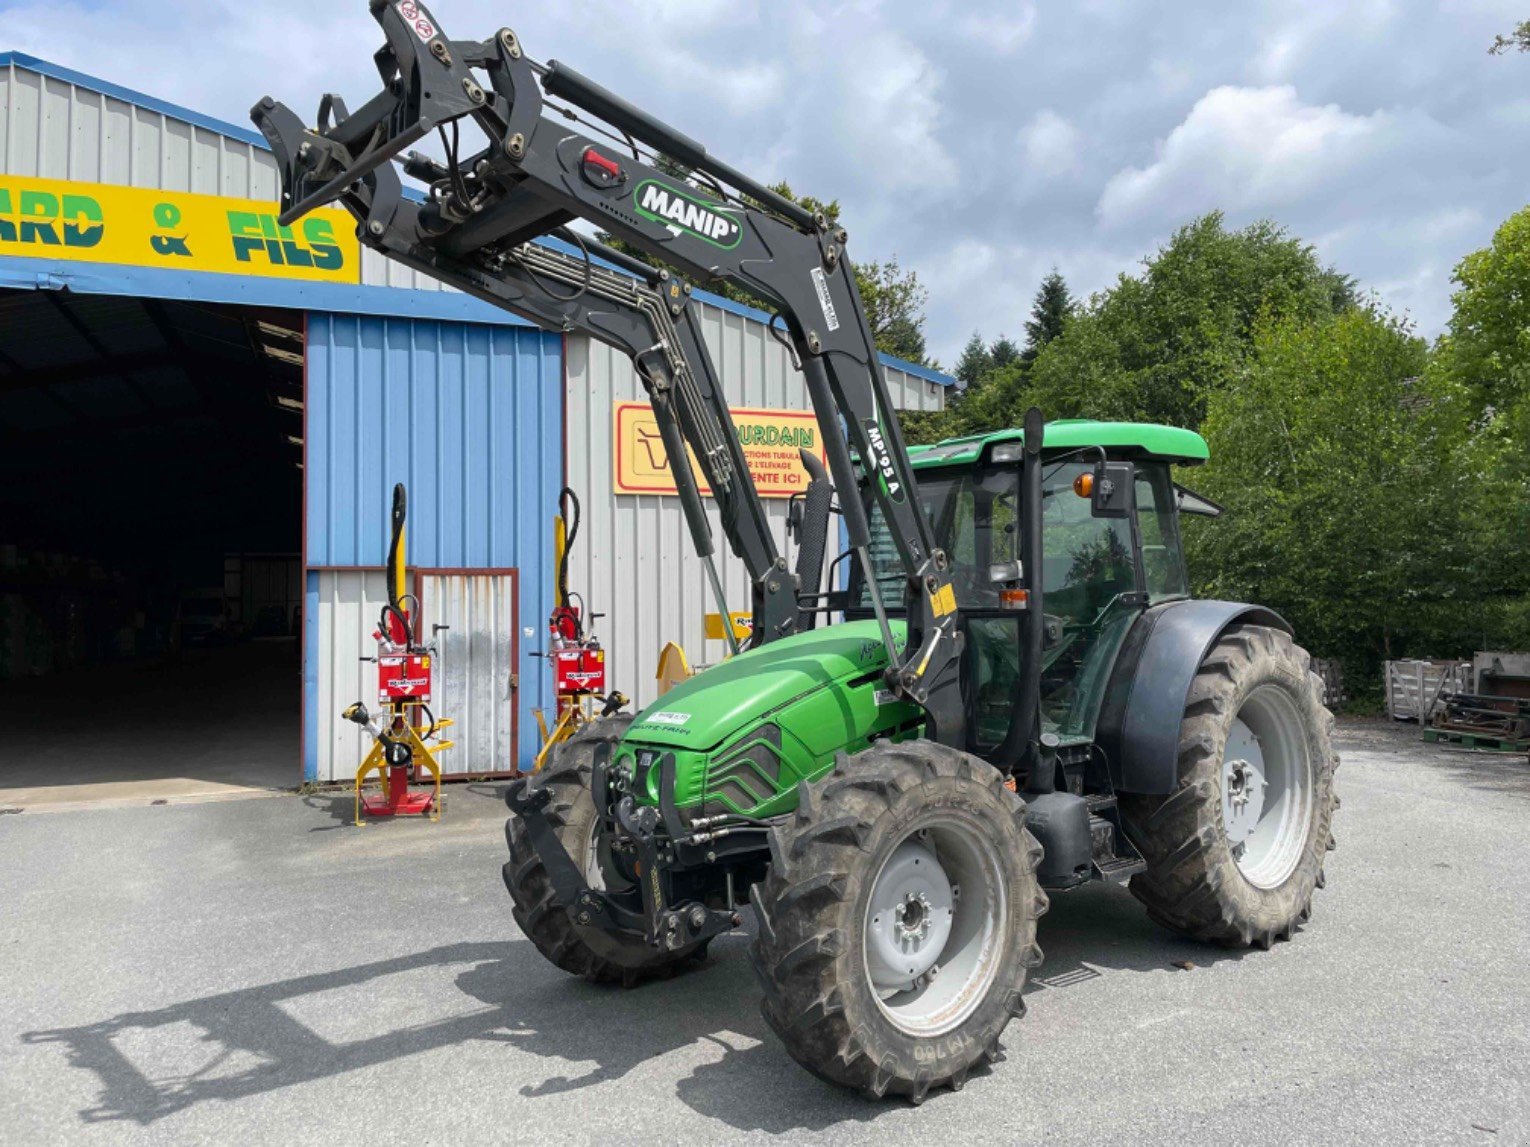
[(1476, 741)]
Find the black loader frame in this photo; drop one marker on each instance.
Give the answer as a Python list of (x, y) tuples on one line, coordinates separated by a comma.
[(479, 231)]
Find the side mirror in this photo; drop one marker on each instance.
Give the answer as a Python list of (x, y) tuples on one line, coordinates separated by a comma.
[(1002, 572), (1115, 490)]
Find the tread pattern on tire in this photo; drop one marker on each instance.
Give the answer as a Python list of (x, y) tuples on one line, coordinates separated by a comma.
[(802, 954), (1192, 884), (534, 903)]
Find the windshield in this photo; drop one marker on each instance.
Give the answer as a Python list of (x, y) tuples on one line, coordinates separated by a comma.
[(1086, 563), (975, 518), (1089, 579)]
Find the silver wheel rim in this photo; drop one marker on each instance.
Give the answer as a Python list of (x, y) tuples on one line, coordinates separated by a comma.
[(935, 928), (594, 876), (1267, 787)]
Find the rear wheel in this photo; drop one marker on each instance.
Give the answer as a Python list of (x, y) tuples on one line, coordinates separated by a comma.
[(898, 919), (1235, 852), (594, 955)]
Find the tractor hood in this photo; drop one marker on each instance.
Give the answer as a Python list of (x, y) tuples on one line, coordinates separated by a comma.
[(701, 713)]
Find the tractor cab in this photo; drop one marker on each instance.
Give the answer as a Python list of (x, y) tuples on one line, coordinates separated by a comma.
[(1104, 561)]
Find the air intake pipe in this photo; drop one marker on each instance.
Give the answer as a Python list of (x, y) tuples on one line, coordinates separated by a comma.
[(813, 534)]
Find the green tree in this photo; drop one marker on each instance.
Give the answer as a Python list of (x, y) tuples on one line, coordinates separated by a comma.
[(1154, 347), (1482, 367), (894, 300), (1332, 459), (975, 361), (1518, 39), (1004, 352), (1049, 312)]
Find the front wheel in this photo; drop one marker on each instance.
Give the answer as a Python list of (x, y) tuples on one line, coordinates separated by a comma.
[(592, 954), (1236, 851), (898, 919)]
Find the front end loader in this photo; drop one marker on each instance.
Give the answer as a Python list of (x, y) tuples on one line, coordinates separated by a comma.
[(1015, 694)]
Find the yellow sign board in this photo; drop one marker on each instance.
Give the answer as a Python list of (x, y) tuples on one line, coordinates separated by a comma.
[(771, 440), (741, 621), (173, 230)]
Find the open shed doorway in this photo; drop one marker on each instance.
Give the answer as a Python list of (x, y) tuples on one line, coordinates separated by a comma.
[(151, 502)]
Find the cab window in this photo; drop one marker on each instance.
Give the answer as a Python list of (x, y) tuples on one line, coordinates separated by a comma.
[(1163, 559)]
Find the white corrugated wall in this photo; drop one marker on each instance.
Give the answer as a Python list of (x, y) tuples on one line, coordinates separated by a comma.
[(348, 606), (476, 658), (54, 129), (633, 559)]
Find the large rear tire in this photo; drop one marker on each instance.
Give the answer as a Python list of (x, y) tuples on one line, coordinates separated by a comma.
[(898, 919), (1236, 851), (596, 956)]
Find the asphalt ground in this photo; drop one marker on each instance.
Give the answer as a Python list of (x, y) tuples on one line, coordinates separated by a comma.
[(259, 971)]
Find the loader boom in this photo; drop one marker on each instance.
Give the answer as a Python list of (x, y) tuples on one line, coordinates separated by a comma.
[(537, 172)]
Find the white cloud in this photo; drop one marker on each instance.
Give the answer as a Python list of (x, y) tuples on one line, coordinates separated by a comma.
[(888, 114), (1050, 143), (1242, 148), (982, 141), (1003, 31)]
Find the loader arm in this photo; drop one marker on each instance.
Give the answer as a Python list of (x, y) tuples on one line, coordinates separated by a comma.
[(639, 310), (536, 173)]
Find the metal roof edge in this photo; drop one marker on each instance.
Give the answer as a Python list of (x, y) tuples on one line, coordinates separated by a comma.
[(128, 95), (18, 272)]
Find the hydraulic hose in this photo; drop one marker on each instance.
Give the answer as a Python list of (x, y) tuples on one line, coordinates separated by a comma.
[(567, 500)]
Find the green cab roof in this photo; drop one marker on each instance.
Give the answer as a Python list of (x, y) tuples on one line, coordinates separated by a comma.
[(1171, 443)]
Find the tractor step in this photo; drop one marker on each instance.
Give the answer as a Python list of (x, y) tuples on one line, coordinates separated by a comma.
[(1107, 864), (1119, 868), (1098, 802)]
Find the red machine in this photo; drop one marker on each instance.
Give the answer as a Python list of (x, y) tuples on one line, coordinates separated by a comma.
[(402, 729), (578, 661)]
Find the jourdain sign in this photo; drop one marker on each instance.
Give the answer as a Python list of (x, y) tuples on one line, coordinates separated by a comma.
[(771, 440), (174, 230)]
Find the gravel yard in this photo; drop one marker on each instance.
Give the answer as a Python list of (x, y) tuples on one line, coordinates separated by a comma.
[(259, 970)]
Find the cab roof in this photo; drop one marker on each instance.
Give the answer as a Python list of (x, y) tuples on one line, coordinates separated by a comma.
[(1144, 439)]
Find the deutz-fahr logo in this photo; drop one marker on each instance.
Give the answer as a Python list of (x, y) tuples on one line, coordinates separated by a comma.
[(681, 211), (881, 460)]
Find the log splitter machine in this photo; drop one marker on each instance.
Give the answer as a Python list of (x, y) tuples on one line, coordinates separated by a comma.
[(404, 726)]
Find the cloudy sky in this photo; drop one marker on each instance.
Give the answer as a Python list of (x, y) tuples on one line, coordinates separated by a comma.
[(982, 143)]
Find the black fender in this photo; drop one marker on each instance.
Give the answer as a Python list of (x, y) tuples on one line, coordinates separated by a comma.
[(1138, 729)]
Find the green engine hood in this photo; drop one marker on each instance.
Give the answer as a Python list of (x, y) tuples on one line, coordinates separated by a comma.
[(744, 733), (711, 707)]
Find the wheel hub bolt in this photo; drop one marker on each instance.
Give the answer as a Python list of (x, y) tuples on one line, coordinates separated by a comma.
[(913, 917)]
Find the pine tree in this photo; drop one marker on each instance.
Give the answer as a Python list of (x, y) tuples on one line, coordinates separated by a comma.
[(1003, 352), (975, 361), (1048, 314)]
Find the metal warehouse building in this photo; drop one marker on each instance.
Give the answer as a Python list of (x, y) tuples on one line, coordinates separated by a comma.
[(203, 415)]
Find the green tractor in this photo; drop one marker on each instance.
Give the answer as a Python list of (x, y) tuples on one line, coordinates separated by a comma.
[(897, 881), (1011, 693)]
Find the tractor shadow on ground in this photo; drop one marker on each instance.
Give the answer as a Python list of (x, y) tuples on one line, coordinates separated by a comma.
[(248, 1042), (1094, 932)]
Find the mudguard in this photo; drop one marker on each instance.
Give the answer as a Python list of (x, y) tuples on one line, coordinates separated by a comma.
[(1138, 729)]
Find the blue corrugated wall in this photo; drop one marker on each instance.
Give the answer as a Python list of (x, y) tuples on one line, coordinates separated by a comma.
[(470, 418)]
